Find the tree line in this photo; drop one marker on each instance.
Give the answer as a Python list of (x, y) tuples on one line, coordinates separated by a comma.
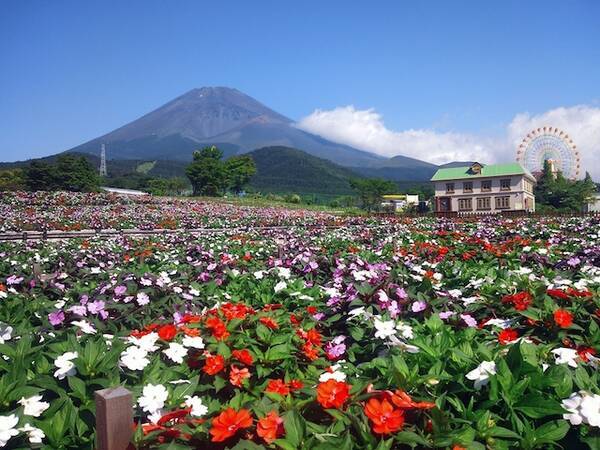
[(554, 192)]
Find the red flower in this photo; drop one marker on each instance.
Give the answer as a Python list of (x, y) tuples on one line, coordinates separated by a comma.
[(558, 293), (580, 294), (385, 419), (236, 311), (237, 376), (314, 337), (507, 336), (296, 384), (333, 394), (270, 427), (228, 423), (404, 401), (311, 309), (277, 386), (310, 351), (269, 323), (167, 332), (294, 320), (214, 364), (520, 300), (563, 318), (243, 356), (217, 327), (190, 318), (585, 352), (176, 415)]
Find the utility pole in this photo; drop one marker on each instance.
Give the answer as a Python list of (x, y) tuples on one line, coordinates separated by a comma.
[(103, 161)]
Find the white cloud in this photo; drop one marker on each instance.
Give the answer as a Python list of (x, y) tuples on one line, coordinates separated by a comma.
[(365, 129)]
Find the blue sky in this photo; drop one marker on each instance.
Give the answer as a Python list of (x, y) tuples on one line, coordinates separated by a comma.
[(73, 70)]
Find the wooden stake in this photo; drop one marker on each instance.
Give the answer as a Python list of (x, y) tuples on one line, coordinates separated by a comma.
[(114, 418)]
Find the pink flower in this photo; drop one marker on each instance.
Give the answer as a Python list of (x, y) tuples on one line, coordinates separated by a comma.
[(56, 317)]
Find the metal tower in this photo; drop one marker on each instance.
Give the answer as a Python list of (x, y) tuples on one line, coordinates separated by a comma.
[(103, 162)]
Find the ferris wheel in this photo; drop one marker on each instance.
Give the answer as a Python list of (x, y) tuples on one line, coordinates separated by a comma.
[(549, 143)]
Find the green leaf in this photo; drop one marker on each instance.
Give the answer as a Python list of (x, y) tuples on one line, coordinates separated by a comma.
[(409, 437), (552, 431), (536, 406), (295, 427)]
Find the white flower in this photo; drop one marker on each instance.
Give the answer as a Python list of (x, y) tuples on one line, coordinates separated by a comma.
[(583, 407), (5, 333), (84, 326), (7, 428), (198, 408), (155, 416), (566, 356), (280, 286), (134, 358), (385, 328), (35, 435), (153, 398), (336, 375), (481, 374), (175, 352), (357, 311), (259, 275), (284, 272), (32, 406), (65, 365), (193, 341), (501, 323), (405, 330), (145, 342), (455, 293)]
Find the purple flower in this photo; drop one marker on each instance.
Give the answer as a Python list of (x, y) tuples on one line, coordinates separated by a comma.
[(80, 310), (336, 348), (56, 317), (401, 294), (574, 261), (446, 314), (95, 307), (13, 279), (418, 306), (469, 320), (120, 290)]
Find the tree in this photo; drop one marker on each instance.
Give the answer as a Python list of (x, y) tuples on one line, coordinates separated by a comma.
[(371, 191), (555, 192), (40, 176), (206, 172), (239, 170), (68, 173), (75, 173), (12, 180)]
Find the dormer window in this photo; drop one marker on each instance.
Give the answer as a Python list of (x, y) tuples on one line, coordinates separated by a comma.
[(476, 168)]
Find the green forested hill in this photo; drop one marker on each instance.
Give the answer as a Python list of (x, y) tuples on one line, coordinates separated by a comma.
[(284, 169)]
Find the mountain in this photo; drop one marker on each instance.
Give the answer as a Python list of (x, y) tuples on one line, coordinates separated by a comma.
[(398, 168), (220, 116), (311, 175)]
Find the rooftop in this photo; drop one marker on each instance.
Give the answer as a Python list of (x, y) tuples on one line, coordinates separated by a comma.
[(490, 170)]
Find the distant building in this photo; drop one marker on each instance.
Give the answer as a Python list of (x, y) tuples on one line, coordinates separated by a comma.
[(593, 203), (484, 189), (399, 202), (123, 191)]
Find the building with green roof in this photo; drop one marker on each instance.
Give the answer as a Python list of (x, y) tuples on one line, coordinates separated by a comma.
[(480, 188)]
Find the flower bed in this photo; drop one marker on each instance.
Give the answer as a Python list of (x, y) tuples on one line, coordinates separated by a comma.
[(420, 333)]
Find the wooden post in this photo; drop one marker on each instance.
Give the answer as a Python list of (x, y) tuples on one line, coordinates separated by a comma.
[(114, 418)]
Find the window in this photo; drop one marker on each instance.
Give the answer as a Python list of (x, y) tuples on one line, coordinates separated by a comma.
[(503, 202), (486, 185), (505, 184), (484, 203), (468, 186), (465, 204), (450, 188)]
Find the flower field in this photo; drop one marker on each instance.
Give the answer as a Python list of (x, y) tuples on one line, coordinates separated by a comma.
[(43, 211), (421, 333)]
